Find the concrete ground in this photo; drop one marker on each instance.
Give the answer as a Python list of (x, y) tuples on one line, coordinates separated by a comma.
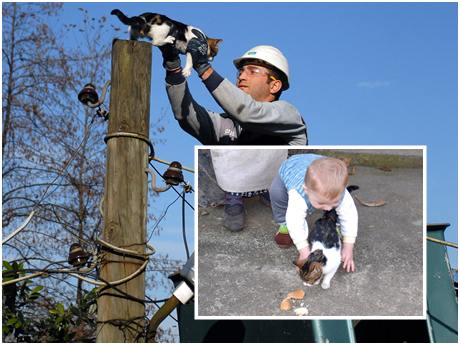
[(246, 274)]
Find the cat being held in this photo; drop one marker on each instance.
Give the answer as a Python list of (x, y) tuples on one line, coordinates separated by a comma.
[(162, 30)]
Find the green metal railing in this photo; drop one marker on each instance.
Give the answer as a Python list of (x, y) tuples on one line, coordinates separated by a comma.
[(442, 304)]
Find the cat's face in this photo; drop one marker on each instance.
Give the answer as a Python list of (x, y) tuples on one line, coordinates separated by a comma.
[(312, 270), (213, 47), (314, 273)]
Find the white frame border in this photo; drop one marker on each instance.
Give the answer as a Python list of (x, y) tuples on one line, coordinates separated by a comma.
[(312, 147)]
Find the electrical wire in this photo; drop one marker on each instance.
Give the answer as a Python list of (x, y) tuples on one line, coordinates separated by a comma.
[(127, 251), (184, 237), (135, 299), (47, 272), (160, 219), (117, 282), (184, 199), (79, 276), (21, 227)]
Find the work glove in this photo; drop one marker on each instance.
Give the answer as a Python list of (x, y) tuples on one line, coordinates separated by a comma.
[(198, 48), (171, 59)]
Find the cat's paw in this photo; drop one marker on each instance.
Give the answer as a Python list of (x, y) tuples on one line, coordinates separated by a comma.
[(186, 72), (325, 286)]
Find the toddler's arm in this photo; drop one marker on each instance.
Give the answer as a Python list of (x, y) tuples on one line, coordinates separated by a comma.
[(347, 257), (348, 218), (296, 224)]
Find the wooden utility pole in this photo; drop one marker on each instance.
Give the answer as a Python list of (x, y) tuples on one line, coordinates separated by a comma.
[(121, 319)]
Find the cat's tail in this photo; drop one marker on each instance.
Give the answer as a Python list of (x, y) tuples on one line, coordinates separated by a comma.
[(125, 20), (352, 188)]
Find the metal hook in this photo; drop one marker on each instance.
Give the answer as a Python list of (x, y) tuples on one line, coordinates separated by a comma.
[(156, 189)]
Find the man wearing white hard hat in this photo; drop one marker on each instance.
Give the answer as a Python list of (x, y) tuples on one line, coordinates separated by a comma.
[(253, 115)]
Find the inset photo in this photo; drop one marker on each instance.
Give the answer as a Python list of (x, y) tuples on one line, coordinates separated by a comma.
[(305, 233)]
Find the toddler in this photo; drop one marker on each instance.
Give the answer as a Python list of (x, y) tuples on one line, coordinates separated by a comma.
[(308, 182)]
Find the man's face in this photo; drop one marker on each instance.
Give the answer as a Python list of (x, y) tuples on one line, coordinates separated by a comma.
[(256, 81)]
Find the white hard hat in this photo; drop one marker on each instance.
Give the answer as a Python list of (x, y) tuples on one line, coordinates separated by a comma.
[(269, 54)]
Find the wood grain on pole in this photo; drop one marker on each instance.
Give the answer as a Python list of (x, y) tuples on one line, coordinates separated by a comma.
[(125, 202)]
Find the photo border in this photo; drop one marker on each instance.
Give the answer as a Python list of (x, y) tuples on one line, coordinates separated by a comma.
[(313, 147)]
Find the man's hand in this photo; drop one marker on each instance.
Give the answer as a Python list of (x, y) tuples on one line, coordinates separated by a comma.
[(347, 257), (199, 51), (171, 60)]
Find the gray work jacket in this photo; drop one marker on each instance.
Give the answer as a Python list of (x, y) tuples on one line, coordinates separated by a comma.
[(244, 120)]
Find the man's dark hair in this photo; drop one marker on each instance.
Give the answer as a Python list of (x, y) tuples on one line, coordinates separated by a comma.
[(278, 76)]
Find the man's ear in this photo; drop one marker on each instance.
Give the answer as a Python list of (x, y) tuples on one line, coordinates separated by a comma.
[(275, 86)]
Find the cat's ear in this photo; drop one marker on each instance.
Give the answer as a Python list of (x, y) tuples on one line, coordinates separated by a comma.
[(214, 41), (316, 255), (321, 258)]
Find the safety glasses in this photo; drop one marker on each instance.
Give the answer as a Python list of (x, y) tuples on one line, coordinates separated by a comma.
[(252, 71)]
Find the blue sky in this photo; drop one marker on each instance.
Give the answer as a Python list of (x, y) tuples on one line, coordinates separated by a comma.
[(361, 74)]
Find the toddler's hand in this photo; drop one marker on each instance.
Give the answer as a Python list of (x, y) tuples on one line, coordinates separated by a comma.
[(347, 257), (303, 255)]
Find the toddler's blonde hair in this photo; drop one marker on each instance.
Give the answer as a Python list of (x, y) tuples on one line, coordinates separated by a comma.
[(327, 177)]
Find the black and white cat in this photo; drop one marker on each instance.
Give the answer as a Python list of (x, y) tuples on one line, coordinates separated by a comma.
[(325, 246), (162, 30)]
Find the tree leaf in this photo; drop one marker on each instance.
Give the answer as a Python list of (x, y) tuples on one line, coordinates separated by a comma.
[(37, 289), (60, 309), (34, 296), (12, 321), (7, 265)]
